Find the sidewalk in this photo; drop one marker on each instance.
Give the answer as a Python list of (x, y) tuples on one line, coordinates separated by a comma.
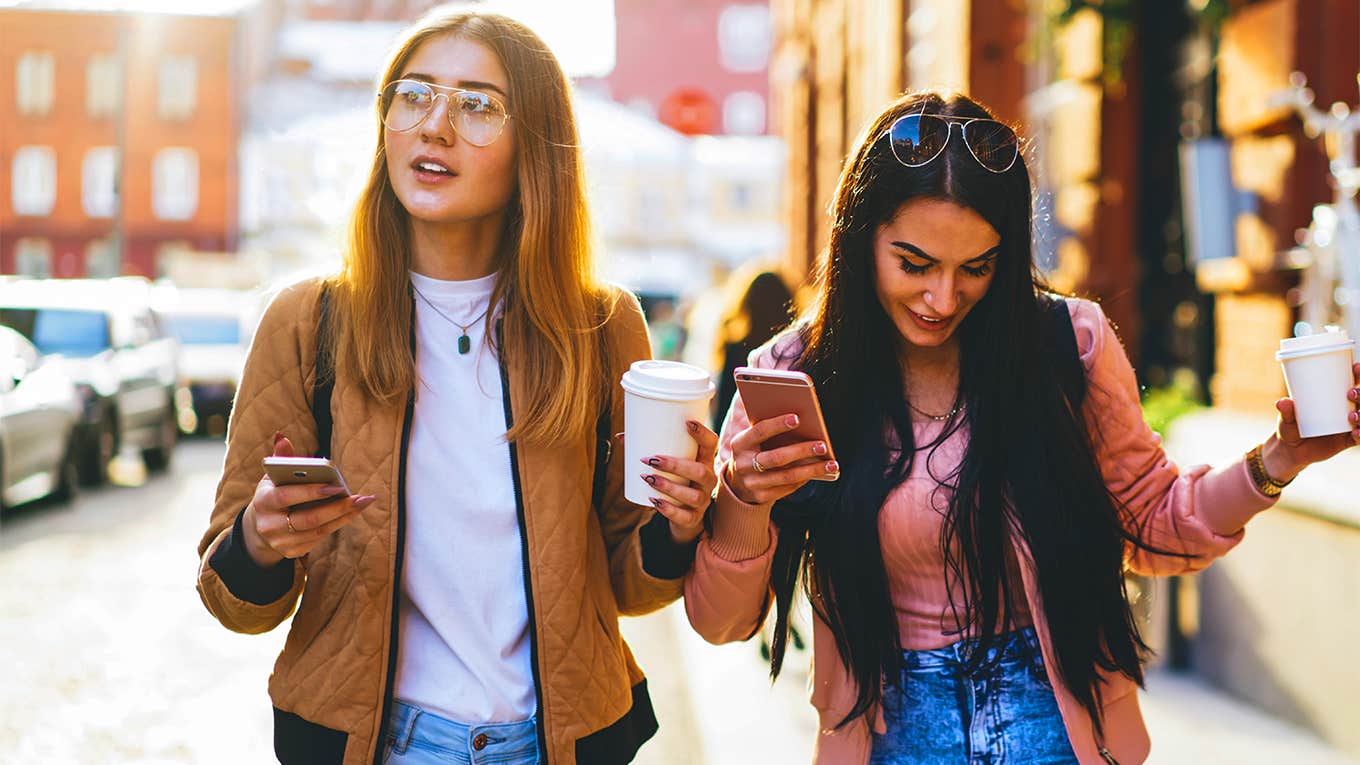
[(717, 707)]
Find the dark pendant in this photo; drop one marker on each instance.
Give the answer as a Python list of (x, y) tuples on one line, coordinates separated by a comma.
[(464, 344)]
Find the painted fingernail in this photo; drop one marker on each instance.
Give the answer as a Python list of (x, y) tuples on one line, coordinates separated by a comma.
[(1354, 394), (655, 502), (819, 448), (364, 501), (833, 466), (653, 461), (331, 491), (693, 426), (1355, 417), (278, 436), (650, 479), (791, 421)]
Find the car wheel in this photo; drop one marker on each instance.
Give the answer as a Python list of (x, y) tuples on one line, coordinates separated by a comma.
[(101, 444), (68, 475), (158, 457)]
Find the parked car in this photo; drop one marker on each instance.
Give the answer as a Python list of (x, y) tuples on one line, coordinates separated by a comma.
[(39, 409), (123, 361), (214, 327)]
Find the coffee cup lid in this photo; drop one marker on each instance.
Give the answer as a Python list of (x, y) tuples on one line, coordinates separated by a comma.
[(668, 380), (1309, 345)]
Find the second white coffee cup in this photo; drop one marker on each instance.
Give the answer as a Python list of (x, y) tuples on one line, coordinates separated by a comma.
[(660, 398), (1317, 372)]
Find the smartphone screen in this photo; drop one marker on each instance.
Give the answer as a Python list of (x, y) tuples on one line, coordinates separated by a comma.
[(768, 393)]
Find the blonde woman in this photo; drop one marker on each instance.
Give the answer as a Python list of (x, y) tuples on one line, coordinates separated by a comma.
[(461, 603)]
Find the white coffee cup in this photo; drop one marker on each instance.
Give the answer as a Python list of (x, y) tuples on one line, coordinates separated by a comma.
[(660, 398), (1317, 372)]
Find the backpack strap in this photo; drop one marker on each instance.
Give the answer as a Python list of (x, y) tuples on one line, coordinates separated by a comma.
[(324, 385), (604, 438), (1060, 340)]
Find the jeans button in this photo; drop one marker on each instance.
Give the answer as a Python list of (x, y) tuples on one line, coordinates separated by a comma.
[(479, 742)]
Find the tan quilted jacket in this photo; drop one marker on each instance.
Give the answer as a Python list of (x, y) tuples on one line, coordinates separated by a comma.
[(331, 684)]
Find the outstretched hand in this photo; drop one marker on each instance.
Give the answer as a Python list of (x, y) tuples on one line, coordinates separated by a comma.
[(1297, 452)]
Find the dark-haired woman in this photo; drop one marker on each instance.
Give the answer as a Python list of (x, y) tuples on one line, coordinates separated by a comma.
[(996, 478)]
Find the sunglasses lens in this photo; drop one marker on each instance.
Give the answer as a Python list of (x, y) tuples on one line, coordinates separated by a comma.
[(994, 144), (404, 104), (479, 118), (918, 138)]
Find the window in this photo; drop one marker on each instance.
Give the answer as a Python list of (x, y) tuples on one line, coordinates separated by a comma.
[(99, 182), (34, 182), (744, 113), (744, 37), (103, 85), (72, 332), (34, 77), (101, 259), (177, 88), (33, 257), (174, 183)]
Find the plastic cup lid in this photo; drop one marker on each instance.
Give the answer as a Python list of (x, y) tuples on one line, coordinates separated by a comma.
[(668, 380), (1308, 345)]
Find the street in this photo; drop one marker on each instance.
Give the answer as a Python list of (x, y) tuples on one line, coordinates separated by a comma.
[(112, 659)]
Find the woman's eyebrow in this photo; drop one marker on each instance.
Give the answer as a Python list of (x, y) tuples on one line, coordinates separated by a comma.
[(464, 84), (920, 253)]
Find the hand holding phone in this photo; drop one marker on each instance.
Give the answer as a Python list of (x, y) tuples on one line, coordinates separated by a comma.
[(298, 503), (797, 454)]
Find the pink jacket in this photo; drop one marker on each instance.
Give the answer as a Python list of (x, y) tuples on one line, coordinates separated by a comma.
[(1201, 511)]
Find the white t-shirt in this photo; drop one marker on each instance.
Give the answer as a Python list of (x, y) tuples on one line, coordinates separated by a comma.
[(464, 639)]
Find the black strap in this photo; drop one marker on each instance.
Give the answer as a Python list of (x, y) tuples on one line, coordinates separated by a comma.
[(604, 439), (325, 375), (1061, 339)]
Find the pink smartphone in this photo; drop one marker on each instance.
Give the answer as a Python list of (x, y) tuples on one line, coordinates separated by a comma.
[(768, 393)]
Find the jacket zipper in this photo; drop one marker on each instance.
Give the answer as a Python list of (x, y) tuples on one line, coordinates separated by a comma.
[(409, 416), (524, 550)]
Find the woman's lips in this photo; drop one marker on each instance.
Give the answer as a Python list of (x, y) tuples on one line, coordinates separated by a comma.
[(928, 325)]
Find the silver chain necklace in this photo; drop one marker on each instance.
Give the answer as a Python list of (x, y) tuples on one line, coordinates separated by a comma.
[(464, 342)]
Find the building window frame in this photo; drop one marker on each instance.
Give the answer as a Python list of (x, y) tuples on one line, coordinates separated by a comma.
[(33, 257), (99, 182), (177, 88), (174, 183), (103, 85), (35, 77), (33, 180)]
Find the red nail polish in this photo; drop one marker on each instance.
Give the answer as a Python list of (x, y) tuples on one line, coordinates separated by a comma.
[(650, 479), (278, 436), (654, 461)]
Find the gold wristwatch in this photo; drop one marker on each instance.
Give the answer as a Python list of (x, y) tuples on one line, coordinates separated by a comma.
[(1256, 466)]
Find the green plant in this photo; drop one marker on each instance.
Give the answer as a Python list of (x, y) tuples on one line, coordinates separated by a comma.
[(1164, 405)]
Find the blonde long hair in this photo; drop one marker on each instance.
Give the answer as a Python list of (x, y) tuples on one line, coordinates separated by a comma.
[(554, 305)]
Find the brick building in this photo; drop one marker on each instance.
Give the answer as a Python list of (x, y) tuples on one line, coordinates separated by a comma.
[(120, 133)]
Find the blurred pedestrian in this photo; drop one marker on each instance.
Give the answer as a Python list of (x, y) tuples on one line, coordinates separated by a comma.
[(760, 306), (461, 370), (996, 477)]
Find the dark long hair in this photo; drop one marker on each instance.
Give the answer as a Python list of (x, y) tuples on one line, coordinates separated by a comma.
[(1029, 470)]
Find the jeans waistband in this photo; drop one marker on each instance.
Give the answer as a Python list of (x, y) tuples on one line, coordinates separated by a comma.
[(481, 743), (1009, 648)]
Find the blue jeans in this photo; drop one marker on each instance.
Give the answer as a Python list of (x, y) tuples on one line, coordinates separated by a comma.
[(417, 737), (937, 715)]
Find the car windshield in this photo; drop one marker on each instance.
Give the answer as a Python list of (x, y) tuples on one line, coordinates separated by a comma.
[(207, 330), (71, 332)]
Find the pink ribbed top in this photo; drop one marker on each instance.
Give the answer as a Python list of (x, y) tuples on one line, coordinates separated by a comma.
[(909, 527)]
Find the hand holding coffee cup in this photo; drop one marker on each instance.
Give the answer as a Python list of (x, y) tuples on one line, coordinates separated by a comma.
[(665, 403), (1321, 416)]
